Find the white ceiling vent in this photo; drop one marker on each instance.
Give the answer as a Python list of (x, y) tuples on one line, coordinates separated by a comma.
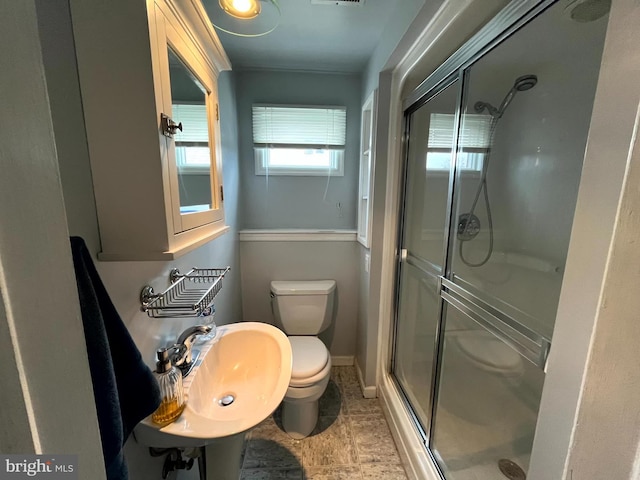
[(337, 2)]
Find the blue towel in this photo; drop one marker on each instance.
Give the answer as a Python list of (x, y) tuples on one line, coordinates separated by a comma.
[(124, 387)]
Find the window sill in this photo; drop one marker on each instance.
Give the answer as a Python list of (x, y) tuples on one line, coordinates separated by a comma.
[(299, 173), (297, 235)]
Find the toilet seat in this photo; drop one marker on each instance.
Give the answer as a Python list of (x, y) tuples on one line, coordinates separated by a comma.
[(488, 352), (309, 360)]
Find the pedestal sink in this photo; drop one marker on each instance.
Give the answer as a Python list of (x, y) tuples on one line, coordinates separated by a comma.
[(242, 376)]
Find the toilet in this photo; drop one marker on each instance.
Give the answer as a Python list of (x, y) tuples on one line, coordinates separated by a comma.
[(486, 370), (303, 309)]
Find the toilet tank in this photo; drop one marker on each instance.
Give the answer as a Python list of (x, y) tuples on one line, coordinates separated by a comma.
[(303, 307)]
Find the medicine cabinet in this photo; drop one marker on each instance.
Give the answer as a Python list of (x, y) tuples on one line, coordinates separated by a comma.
[(148, 78)]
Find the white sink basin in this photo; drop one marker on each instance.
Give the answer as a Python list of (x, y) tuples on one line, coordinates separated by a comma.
[(249, 362)]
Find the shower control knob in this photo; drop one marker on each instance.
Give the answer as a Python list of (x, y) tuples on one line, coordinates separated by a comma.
[(468, 227)]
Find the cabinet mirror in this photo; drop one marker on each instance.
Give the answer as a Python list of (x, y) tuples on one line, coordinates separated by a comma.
[(192, 150)]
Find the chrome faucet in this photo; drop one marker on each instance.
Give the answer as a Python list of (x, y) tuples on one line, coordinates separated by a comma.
[(184, 357)]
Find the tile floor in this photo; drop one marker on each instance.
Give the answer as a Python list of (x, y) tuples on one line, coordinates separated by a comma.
[(351, 441)]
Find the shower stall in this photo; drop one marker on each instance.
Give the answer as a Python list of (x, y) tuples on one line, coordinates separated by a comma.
[(494, 143)]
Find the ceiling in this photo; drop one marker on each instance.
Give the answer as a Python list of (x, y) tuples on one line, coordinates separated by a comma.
[(334, 38)]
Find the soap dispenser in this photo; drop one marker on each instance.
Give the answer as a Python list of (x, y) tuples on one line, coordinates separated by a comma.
[(171, 391)]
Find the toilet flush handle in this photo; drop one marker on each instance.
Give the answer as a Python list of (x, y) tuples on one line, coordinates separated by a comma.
[(273, 296)]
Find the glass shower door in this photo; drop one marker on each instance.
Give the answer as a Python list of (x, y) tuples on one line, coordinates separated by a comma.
[(524, 125), (423, 239)]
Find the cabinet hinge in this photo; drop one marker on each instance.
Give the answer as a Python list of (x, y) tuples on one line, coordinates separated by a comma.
[(217, 112), (221, 193)]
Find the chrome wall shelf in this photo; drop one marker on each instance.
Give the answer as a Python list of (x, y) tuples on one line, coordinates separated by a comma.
[(189, 294)]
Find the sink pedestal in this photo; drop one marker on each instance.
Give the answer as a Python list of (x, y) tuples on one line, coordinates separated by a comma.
[(220, 459)]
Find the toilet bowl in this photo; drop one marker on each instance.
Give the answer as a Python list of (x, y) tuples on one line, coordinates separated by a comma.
[(483, 368), (309, 379), (486, 352), (304, 309)]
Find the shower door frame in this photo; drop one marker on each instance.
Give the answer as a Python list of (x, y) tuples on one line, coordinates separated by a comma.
[(447, 82), (508, 21)]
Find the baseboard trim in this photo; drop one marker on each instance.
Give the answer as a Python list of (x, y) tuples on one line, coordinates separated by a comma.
[(367, 391), (416, 460), (342, 360)]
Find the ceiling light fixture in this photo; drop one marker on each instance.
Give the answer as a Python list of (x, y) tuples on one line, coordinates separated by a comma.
[(244, 18), (244, 9)]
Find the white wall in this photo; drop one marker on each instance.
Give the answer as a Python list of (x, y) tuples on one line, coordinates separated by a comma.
[(536, 161), (608, 422), (59, 59), (587, 425), (264, 261), (363, 316), (48, 404), (541, 138)]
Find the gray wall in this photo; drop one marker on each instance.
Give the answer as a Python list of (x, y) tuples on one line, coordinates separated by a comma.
[(194, 189), (277, 202), (389, 39), (307, 260), (298, 202)]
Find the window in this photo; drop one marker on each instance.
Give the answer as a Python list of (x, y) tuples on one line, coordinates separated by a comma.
[(193, 155), (474, 141), (298, 140)]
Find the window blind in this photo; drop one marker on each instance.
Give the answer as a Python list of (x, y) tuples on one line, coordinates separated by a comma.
[(195, 128), (303, 127), (475, 131)]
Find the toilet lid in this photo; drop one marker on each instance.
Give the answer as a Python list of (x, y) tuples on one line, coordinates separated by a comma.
[(485, 348), (309, 356)]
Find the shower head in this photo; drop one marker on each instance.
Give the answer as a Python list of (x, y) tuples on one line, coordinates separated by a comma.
[(522, 84), (526, 82)]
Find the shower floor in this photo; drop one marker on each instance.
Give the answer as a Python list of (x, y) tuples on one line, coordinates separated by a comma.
[(472, 448), (351, 441), (475, 428), (468, 459)]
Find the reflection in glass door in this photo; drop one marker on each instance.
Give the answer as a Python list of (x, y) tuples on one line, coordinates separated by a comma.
[(477, 303), (423, 244)]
